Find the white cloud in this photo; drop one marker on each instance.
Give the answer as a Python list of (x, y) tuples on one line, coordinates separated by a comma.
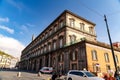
[(24, 28), (11, 46), (31, 25), (4, 19), (17, 5), (7, 29)]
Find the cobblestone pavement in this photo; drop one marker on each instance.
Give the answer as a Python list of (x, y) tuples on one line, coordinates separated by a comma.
[(12, 75)]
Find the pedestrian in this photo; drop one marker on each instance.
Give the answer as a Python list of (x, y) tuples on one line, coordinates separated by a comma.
[(116, 75), (111, 78), (106, 77), (54, 76)]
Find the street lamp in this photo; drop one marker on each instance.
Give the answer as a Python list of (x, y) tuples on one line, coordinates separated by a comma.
[(112, 50)]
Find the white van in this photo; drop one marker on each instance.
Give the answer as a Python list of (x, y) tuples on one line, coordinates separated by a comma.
[(47, 70)]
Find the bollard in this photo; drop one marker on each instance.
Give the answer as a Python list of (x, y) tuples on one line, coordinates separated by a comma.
[(39, 73), (19, 74)]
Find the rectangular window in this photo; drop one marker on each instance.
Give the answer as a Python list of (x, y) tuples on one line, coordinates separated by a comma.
[(74, 56), (50, 32), (49, 47), (45, 49), (54, 45), (55, 27), (106, 57), (72, 39), (61, 58), (72, 22), (82, 26), (116, 58), (94, 55), (61, 24), (46, 35), (61, 43), (91, 30), (41, 50)]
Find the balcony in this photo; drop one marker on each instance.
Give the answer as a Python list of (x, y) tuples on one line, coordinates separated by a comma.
[(73, 42)]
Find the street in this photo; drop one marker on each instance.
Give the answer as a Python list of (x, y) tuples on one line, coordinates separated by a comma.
[(12, 75)]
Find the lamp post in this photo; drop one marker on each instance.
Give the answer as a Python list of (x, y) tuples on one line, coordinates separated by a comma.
[(112, 50)]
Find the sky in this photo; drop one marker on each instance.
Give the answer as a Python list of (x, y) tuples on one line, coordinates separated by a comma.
[(20, 19)]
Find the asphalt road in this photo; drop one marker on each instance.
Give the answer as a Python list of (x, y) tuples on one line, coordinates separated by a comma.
[(12, 75)]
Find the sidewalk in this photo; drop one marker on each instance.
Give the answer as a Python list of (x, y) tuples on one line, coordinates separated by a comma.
[(13, 75)]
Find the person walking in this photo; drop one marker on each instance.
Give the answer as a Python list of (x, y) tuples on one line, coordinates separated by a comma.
[(106, 77), (54, 76)]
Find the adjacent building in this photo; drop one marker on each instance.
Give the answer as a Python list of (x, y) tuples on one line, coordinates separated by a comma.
[(7, 61), (69, 42)]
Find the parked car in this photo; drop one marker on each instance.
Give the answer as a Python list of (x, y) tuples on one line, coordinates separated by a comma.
[(81, 75), (46, 70)]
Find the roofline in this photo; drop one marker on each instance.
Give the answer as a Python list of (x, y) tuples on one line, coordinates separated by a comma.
[(67, 11), (64, 12), (102, 44)]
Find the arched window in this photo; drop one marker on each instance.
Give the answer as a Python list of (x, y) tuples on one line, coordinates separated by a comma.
[(94, 55)]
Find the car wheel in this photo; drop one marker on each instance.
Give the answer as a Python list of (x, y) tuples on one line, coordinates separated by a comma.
[(69, 78)]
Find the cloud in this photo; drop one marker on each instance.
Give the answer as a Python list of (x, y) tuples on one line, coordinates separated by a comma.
[(4, 19), (24, 28), (31, 25), (17, 5), (7, 29), (11, 46)]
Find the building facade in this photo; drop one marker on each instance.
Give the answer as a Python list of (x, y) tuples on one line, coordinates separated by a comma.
[(7, 61), (69, 42)]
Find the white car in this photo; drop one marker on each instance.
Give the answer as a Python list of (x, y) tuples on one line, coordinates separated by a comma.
[(47, 70), (81, 75)]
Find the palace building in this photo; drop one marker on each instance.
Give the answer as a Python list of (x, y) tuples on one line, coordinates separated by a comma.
[(69, 42)]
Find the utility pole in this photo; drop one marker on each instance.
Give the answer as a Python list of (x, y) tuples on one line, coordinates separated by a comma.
[(112, 50)]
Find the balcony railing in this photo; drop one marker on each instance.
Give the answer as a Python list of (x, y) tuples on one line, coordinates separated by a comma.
[(73, 42)]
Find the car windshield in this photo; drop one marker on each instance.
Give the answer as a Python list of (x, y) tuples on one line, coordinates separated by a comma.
[(89, 74)]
